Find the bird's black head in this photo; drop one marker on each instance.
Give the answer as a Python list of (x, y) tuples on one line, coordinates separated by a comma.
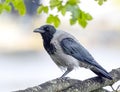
[(47, 32)]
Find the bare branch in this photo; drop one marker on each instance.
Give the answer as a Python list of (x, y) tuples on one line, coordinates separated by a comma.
[(73, 85)]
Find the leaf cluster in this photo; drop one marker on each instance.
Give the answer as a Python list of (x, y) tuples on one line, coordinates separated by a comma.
[(17, 4), (77, 15), (72, 6)]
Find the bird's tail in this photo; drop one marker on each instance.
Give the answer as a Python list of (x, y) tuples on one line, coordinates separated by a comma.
[(101, 73)]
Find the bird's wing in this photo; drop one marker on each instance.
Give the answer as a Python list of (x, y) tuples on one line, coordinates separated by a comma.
[(73, 48)]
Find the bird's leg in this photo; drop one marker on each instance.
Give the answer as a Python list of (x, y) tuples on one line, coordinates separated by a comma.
[(66, 72)]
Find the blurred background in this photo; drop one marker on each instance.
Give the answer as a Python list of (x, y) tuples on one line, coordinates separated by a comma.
[(23, 60)]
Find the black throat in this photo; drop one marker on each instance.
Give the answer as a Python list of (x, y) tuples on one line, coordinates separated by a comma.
[(50, 48), (47, 38)]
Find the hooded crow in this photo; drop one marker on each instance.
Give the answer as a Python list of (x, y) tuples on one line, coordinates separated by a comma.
[(67, 52)]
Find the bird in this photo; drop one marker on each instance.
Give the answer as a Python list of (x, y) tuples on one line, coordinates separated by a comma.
[(67, 52)]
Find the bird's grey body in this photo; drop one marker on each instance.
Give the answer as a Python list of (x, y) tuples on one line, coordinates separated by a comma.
[(62, 60), (67, 52)]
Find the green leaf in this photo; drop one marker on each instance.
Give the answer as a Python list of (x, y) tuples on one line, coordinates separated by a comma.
[(1, 8), (78, 15), (7, 1), (45, 9), (55, 3), (88, 16), (82, 22), (22, 12), (19, 6), (74, 9), (50, 19), (100, 2), (59, 7), (56, 21), (40, 9), (73, 2), (63, 11), (53, 19), (5, 6), (73, 21), (8, 8)]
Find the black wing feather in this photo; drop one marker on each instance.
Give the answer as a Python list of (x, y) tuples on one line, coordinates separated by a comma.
[(73, 48)]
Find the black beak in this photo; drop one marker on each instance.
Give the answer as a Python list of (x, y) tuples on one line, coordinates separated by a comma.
[(38, 30)]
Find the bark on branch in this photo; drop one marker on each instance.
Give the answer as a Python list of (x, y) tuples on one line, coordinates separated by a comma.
[(94, 84)]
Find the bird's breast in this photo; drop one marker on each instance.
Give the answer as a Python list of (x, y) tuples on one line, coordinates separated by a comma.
[(50, 48), (61, 59)]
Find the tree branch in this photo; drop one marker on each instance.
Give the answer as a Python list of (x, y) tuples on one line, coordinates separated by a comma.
[(94, 84)]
